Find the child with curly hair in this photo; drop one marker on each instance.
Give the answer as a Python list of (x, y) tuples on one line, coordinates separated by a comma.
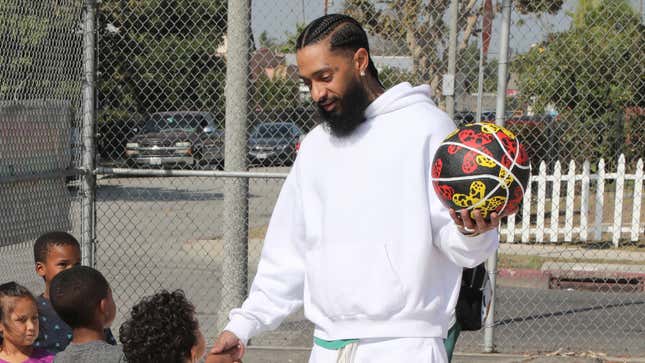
[(19, 326), (163, 328)]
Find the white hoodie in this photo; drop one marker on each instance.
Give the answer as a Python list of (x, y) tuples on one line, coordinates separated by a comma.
[(358, 234)]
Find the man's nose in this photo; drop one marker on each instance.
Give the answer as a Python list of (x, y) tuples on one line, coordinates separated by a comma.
[(318, 92)]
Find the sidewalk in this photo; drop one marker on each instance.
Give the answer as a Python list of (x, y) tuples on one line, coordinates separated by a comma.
[(301, 355), (572, 266)]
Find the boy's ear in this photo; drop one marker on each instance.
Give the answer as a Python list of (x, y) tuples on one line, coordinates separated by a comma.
[(101, 311), (193, 354), (40, 269), (103, 306)]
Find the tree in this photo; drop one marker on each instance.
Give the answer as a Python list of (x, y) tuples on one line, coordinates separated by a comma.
[(417, 24), (266, 41), (277, 93), (158, 55), (28, 67), (590, 74), (420, 25)]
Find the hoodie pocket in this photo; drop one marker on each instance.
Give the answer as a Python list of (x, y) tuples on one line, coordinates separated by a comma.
[(354, 281)]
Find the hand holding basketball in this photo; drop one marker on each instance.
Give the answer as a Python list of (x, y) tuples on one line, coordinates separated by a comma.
[(483, 170)]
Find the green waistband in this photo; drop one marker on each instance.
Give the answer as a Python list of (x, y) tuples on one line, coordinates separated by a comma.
[(333, 344)]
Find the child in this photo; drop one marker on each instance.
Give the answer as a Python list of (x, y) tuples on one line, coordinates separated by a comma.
[(166, 319), (83, 299), (19, 326), (55, 252), (163, 328)]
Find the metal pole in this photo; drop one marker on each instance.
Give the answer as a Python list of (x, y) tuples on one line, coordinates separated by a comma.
[(88, 178), (480, 82), (449, 78), (234, 269), (502, 71)]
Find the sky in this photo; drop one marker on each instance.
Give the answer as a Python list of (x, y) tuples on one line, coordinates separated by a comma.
[(278, 17)]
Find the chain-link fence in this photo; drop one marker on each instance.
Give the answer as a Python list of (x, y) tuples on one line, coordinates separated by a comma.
[(41, 73), (575, 93), (167, 123)]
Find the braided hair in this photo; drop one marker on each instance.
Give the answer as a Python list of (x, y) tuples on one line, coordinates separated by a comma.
[(346, 34)]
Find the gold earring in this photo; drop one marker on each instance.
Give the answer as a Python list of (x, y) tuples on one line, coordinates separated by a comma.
[(362, 73)]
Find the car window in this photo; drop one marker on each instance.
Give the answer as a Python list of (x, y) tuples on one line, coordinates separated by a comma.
[(271, 130), (174, 122)]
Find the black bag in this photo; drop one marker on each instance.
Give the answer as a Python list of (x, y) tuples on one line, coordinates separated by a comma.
[(471, 301)]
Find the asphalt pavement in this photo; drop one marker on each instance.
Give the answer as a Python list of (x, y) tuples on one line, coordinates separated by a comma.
[(165, 233)]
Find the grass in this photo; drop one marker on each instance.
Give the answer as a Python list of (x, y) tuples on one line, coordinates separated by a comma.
[(531, 261), (536, 262)]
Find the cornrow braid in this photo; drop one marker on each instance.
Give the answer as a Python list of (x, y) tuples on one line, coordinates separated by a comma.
[(345, 34)]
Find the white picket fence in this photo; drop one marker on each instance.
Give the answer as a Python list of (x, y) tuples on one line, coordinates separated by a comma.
[(552, 227)]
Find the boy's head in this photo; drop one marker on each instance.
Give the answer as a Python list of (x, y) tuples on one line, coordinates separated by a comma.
[(82, 298), (55, 252), (162, 328)]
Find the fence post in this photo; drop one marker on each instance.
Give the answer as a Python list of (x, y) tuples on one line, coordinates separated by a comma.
[(88, 220), (502, 72), (618, 201), (235, 231), (449, 78)]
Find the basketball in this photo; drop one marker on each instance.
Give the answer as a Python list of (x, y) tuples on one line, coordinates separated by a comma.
[(481, 166)]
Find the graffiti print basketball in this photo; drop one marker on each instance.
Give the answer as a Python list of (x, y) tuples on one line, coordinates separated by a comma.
[(481, 166)]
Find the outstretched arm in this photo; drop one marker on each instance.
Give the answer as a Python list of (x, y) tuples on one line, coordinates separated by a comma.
[(277, 289)]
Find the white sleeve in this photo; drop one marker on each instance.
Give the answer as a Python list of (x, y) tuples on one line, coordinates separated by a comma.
[(462, 250), (277, 289)]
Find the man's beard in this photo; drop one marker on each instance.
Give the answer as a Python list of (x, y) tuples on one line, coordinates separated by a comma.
[(349, 112)]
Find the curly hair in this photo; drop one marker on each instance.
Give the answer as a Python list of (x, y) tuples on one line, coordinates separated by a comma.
[(161, 328)]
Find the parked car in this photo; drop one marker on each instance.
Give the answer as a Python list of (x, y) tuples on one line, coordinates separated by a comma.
[(274, 143), (488, 116), (464, 117), (180, 138)]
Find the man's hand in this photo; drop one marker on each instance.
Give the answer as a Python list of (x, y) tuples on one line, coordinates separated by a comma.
[(220, 358), (470, 226), (227, 348)]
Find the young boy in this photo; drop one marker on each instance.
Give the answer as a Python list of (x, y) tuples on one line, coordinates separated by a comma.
[(83, 299), (55, 252)]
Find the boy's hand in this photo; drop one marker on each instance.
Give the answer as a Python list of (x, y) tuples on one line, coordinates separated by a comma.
[(227, 346)]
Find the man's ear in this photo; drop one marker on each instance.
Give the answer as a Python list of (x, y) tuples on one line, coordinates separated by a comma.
[(40, 269), (361, 60)]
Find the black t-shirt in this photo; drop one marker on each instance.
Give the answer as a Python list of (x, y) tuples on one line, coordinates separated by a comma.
[(54, 334)]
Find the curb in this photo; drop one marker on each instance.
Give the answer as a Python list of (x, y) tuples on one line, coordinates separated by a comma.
[(596, 277)]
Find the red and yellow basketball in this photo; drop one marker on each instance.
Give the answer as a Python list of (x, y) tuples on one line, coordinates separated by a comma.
[(481, 166)]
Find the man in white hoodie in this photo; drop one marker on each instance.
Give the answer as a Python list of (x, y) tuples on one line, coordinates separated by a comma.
[(358, 235)]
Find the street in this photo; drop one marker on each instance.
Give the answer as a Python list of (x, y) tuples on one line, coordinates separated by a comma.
[(155, 233)]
